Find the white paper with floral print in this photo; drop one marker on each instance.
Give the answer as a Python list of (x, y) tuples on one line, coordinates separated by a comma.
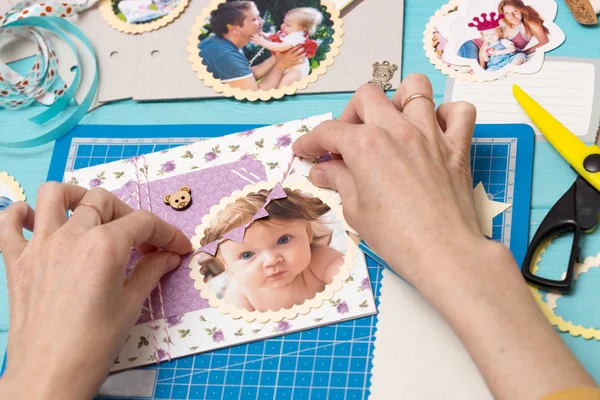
[(208, 328)]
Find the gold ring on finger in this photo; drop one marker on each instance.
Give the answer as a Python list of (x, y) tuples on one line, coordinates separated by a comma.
[(93, 207), (416, 96)]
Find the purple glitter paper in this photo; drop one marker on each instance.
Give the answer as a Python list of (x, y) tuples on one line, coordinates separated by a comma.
[(261, 213), (210, 248), (208, 187), (277, 193), (236, 234)]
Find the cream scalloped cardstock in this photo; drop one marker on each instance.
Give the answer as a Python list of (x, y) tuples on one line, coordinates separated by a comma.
[(10, 189), (253, 95), (549, 306), (330, 198), (111, 19), (430, 40)]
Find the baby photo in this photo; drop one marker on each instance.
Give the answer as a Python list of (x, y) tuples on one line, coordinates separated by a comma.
[(142, 11), (488, 38), (283, 260), (265, 45)]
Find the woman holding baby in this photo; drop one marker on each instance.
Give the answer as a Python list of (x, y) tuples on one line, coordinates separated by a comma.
[(520, 25)]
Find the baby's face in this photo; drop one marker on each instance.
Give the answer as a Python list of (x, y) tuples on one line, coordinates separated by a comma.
[(491, 35), (290, 24), (271, 256)]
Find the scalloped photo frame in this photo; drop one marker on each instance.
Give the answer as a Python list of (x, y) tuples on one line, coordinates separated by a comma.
[(548, 307), (328, 197), (434, 44), (276, 93), (448, 29), (10, 191), (119, 22)]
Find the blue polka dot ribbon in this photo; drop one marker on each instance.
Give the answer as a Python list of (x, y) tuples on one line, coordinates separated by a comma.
[(35, 22)]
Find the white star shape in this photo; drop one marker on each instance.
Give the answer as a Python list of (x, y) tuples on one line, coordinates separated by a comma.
[(487, 209)]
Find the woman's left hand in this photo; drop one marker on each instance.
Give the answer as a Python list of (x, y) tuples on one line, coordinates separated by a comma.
[(291, 58), (71, 305)]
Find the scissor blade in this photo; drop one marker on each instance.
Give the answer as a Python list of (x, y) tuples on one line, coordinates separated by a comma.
[(569, 146)]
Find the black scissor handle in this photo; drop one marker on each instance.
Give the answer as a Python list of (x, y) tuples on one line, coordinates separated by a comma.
[(538, 243), (560, 219)]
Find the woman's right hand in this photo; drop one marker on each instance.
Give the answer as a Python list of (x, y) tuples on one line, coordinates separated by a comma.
[(403, 175), (404, 179)]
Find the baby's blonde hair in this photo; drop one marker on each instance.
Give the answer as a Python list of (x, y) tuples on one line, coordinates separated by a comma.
[(296, 206), (310, 18)]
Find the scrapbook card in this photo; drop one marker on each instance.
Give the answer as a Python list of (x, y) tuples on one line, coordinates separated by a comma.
[(484, 40), (271, 254)]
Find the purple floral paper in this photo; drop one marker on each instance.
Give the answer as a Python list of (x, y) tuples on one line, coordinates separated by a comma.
[(208, 187)]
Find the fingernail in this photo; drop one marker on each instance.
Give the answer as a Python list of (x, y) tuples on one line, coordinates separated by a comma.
[(173, 261), (318, 177)]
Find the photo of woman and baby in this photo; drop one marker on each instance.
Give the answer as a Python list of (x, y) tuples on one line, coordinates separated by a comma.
[(493, 35), (284, 259), (264, 45), (509, 35)]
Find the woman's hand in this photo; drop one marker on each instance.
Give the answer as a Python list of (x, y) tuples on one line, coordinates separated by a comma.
[(291, 58), (71, 305), (403, 175)]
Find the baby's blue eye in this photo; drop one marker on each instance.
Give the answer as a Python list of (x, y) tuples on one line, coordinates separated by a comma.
[(284, 239), (247, 255)]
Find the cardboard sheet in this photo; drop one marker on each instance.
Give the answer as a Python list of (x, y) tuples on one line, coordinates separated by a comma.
[(155, 66)]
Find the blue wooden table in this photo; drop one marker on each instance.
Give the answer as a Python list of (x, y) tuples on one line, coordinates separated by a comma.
[(551, 175)]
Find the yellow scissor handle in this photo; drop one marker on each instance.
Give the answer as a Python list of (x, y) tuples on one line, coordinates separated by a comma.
[(571, 148)]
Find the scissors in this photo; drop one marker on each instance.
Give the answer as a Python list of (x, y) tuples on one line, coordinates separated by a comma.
[(578, 210)]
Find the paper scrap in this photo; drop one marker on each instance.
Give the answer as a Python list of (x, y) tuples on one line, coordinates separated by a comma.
[(487, 209)]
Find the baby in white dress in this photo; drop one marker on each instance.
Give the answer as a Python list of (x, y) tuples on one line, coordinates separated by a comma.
[(298, 25)]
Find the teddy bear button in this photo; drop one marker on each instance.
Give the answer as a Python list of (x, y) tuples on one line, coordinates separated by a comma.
[(179, 200)]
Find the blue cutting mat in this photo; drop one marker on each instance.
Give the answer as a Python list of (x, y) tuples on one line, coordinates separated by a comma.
[(331, 362)]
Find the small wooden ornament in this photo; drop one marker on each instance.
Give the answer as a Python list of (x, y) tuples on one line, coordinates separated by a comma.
[(180, 200)]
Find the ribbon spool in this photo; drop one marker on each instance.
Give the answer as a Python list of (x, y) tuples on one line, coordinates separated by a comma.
[(35, 22)]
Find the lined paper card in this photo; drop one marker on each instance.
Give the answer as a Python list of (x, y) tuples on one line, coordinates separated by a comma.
[(565, 89)]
